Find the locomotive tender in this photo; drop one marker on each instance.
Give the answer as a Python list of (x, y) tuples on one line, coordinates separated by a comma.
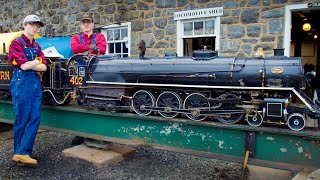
[(255, 90), (55, 88)]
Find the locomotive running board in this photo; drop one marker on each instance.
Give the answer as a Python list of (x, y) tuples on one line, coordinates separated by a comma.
[(311, 106)]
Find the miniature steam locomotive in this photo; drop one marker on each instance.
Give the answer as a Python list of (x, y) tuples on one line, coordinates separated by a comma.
[(204, 86)]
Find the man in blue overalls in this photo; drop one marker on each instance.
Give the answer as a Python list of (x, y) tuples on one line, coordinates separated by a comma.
[(26, 56), (87, 43)]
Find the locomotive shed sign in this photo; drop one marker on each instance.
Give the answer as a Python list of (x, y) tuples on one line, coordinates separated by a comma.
[(199, 13), (311, 5)]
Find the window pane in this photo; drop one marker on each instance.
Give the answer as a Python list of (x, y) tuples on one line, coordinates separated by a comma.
[(187, 29), (118, 47), (124, 33), (117, 39), (117, 34), (110, 35), (125, 48), (209, 27), (111, 48), (198, 28)]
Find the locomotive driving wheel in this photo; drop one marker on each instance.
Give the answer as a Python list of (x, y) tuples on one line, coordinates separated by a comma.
[(168, 101), (230, 118), (140, 100), (195, 102)]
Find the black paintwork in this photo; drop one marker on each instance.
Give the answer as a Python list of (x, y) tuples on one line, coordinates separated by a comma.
[(219, 71)]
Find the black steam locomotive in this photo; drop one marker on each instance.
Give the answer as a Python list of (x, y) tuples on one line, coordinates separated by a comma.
[(256, 90)]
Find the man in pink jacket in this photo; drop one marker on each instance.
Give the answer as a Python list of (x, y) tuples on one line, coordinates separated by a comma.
[(88, 42)]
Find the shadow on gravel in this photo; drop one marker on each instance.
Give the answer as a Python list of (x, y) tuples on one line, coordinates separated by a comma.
[(146, 163)]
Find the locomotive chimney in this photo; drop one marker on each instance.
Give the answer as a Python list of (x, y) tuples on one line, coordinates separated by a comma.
[(278, 52)]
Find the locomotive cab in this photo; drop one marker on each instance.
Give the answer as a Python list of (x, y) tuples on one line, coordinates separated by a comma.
[(5, 75)]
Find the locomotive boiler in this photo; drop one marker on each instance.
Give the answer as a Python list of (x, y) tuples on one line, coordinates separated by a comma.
[(256, 90)]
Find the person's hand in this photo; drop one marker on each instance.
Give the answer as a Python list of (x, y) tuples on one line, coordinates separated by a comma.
[(95, 49), (39, 59), (36, 60), (92, 46)]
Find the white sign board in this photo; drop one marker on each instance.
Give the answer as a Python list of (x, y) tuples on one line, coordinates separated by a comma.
[(310, 5), (199, 13)]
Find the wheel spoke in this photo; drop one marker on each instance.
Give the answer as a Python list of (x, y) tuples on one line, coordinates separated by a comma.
[(230, 118), (142, 99), (168, 100), (195, 101)]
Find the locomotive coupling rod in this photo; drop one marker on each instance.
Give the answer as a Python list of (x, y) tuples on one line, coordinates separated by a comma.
[(194, 111)]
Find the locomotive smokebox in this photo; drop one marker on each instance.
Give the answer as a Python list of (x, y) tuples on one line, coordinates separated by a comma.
[(278, 52)]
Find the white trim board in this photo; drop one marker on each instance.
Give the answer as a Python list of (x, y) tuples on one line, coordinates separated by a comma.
[(180, 32), (124, 24)]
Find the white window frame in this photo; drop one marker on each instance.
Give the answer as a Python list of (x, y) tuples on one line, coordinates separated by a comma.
[(288, 23), (115, 26), (180, 32)]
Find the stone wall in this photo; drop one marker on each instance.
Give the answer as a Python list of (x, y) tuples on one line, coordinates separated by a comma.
[(245, 25)]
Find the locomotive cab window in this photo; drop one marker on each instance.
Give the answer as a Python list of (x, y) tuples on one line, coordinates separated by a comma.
[(82, 71), (73, 71)]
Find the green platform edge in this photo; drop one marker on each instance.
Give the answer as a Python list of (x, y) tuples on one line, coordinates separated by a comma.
[(275, 147)]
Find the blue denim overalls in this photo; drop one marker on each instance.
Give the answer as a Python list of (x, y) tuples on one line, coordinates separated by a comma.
[(27, 97), (93, 41)]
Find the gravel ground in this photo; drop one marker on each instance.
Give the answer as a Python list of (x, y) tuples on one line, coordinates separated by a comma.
[(314, 175), (146, 163)]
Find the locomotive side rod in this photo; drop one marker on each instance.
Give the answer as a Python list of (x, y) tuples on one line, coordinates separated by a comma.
[(197, 111), (313, 107)]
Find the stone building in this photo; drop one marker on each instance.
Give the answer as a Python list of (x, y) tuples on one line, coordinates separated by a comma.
[(232, 27)]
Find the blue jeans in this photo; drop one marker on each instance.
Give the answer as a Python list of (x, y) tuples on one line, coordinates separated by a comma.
[(27, 100)]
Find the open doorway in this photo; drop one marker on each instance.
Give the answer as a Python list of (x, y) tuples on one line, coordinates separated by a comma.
[(305, 34), (191, 44)]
